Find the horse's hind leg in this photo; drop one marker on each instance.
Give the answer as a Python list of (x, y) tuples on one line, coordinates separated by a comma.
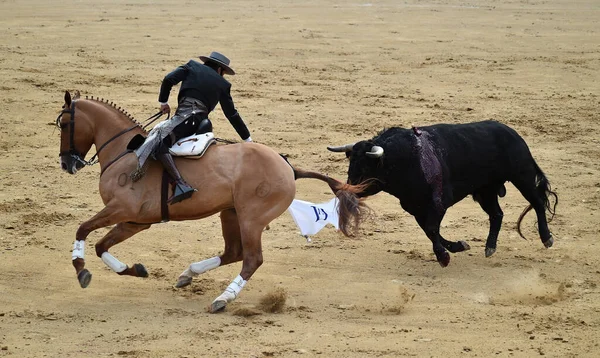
[(118, 234), (232, 253), (252, 259), (107, 216)]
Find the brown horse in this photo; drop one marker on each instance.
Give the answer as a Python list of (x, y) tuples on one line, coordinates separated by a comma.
[(248, 183)]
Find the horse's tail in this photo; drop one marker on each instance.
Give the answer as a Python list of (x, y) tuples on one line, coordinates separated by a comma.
[(352, 209), (544, 191)]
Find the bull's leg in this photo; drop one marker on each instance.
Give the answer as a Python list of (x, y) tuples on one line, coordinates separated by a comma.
[(488, 200), (430, 223), (107, 216), (232, 253), (118, 234), (545, 234), (252, 259), (540, 210), (529, 192), (455, 246)]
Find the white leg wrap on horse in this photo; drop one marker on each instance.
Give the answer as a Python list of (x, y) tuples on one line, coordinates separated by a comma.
[(233, 290), (110, 261), (78, 250), (201, 267)]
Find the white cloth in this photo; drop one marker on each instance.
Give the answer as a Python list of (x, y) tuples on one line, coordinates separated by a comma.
[(311, 218)]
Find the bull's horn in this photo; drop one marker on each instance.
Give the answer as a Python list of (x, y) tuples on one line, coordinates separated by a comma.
[(342, 148), (376, 152)]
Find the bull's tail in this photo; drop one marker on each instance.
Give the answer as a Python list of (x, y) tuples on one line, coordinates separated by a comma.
[(352, 209), (544, 191)]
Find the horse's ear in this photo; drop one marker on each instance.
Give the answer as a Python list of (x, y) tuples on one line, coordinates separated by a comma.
[(67, 99), (76, 95)]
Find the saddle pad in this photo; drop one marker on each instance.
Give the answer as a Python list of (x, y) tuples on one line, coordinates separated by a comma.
[(193, 146)]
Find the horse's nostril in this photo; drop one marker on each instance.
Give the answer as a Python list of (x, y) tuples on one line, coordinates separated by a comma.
[(63, 166)]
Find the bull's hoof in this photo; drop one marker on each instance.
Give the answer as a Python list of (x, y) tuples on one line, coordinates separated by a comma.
[(548, 243), (140, 270), (444, 259), (84, 277), (183, 281), (218, 306), (489, 251), (464, 245)]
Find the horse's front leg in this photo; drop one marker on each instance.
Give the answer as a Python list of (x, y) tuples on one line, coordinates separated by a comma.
[(106, 217), (118, 234)]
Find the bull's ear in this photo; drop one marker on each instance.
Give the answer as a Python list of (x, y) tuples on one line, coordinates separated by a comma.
[(67, 99)]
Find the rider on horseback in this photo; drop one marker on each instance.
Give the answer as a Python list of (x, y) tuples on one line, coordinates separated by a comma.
[(202, 87)]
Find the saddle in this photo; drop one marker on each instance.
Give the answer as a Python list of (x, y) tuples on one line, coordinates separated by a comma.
[(193, 146)]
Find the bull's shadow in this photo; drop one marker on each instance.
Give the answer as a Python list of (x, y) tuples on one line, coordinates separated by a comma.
[(431, 168)]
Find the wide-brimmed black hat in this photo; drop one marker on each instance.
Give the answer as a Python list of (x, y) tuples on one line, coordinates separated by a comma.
[(220, 60)]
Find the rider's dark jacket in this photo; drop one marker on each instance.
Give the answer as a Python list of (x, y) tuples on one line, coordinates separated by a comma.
[(206, 85)]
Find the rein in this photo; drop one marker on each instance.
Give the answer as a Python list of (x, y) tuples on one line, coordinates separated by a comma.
[(75, 154)]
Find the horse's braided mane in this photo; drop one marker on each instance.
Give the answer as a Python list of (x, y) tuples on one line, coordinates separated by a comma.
[(105, 101)]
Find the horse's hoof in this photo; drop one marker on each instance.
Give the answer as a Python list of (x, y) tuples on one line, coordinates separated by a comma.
[(140, 270), (444, 259), (84, 277), (183, 281), (218, 306), (548, 243), (465, 246), (489, 251)]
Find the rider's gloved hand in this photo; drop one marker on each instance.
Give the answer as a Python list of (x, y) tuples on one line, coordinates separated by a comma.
[(165, 108)]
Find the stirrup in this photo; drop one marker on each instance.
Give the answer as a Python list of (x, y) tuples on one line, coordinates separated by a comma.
[(182, 191)]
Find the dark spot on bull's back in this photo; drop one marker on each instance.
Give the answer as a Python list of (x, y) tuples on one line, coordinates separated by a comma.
[(430, 165)]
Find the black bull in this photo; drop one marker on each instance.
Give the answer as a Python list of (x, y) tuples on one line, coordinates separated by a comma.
[(431, 168)]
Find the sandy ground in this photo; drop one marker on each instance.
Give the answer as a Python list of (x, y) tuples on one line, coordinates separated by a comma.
[(310, 74)]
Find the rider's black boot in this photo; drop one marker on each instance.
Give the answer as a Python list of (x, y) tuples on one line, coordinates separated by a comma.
[(182, 189)]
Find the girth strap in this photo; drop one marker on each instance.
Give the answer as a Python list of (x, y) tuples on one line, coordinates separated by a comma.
[(164, 196)]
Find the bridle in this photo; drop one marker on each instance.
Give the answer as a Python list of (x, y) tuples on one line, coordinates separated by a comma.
[(72, 152), (75, 154)]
